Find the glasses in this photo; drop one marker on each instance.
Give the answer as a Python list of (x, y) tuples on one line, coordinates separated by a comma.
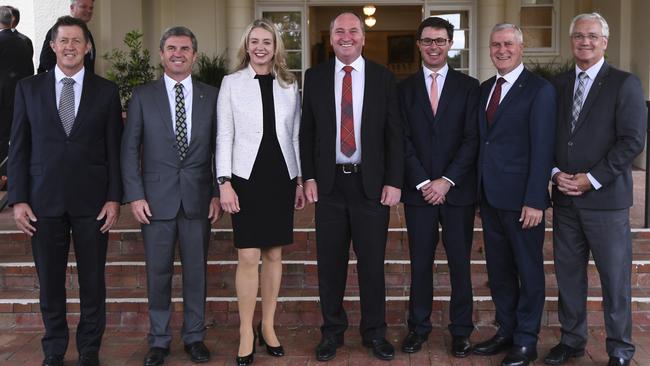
[(437, 41), (579, 37)]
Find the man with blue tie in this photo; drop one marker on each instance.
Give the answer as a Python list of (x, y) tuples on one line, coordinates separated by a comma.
[(517, 128), (439, 106)]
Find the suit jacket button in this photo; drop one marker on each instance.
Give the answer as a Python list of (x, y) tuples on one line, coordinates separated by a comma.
[(570, 143), (487, 142)]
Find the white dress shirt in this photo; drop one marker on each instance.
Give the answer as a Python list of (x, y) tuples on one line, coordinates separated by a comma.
[(589, 81), (358, 83), (510, 79), (77, 86), (170, 86)]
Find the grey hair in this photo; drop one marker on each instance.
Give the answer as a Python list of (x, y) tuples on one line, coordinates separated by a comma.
[(519, 36), (72, 2), (5, 16), (591, 16), (179, 31)]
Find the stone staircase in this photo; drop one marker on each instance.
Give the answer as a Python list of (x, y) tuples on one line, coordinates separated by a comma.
[(298, 302)]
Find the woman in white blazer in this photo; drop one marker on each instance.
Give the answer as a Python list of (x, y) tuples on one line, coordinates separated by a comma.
[(258, 170)]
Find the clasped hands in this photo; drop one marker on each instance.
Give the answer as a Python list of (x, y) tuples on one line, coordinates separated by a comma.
[(572, 184), (435, 192)]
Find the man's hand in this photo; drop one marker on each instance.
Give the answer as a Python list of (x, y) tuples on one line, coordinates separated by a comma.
[(215, 211), (229, 199), (572, 184), (390, 196), (530, 217), (311, 191), (299, 202), (111, 211), (23, 216), (141, 211), (582, 182), (435, 192)]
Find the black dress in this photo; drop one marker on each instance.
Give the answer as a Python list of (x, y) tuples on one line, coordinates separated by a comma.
[(266, 199)]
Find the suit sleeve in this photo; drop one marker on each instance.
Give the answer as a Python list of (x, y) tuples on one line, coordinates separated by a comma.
[(465, 159), (307, 130), (19, 150), (414, 171), (130, 151), (113, 139), (213, 161), (47, 59), (393, 138), (631, 114), (542, 136), (296, 127), (225, 130)]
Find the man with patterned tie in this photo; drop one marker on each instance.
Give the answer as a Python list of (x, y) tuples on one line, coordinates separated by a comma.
[(601, 129), (167, 154), (516, 129), (65, 183), (439, 107), (351, 146)]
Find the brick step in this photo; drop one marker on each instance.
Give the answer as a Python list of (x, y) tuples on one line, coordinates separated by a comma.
[(296, 275), (127, 245), (127, 310)]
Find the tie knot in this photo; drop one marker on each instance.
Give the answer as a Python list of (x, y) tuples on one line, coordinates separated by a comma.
[(500, 81), (434, 75), (348, 69), (178, 86), (67, 81), (583, 75)]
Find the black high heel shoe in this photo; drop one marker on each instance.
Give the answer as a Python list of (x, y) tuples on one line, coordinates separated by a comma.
[(273, 351), (247, 360)]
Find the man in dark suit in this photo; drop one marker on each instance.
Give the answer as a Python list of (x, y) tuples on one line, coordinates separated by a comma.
[(439, 106), (351, 145), (15, 64), (65, 178), (80, 9), (167, 165), (601, 129), (15, 13), (516, 128)]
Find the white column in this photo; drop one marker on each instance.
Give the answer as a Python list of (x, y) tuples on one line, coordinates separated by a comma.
[(490, 12), (239, 13)]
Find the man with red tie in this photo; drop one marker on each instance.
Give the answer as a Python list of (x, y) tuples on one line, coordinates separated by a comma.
[(516, 129), (353, 164)]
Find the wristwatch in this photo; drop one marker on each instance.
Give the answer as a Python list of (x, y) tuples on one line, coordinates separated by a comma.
[(222, 180)]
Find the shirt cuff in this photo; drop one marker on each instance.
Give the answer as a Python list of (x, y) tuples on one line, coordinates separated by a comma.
[(554, 171), (449, 180), (422, 184), (594, 182)]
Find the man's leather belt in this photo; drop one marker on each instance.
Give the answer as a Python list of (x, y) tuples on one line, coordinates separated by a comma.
[(349, 168)]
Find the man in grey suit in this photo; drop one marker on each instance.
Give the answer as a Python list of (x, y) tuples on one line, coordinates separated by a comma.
[(167, 156), (601, 129)]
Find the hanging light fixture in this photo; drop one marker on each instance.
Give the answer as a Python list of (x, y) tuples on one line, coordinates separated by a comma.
[(370, 22), (368, 11)]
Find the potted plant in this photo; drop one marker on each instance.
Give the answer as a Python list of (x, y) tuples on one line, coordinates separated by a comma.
[(211, 70)]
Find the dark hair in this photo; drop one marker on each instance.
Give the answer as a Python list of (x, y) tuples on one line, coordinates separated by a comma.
[(5, 16), (363, 30), (16, 14), (436, 22), (67, 21), (179, 31)]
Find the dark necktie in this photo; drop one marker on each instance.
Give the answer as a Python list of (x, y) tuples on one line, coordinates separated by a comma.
[(348, 145), (494, 102), (66, 105), (578, 97), (181, 126)]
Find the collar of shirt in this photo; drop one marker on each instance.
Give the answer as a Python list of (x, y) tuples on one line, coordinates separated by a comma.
[(78, 77), (171, 83), (77, 86), (440, 81), (358, 65), (513, 75), (442, 72), (592, 71)]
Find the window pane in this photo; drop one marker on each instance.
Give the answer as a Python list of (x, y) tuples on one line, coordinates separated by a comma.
[(292, 40), (285, 21), (294, 60), (537, 37), (458, 59), (537, 16), (461, 39), (460, 19), (536, 2)]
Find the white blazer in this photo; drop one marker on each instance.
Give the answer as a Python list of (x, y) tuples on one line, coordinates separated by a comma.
[(240, 124)]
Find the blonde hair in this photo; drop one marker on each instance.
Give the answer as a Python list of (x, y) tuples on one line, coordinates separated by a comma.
[(279, 61)]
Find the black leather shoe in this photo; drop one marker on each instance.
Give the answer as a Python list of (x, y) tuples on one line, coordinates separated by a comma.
[(248, 359), (326, 349), (273, 351), (493, 346), (561, 354), (88, 359), (381, 348), (617, 361), (53, 361), (413, 342), (156, 356), (198, 352), (520, 356), (460, 346)]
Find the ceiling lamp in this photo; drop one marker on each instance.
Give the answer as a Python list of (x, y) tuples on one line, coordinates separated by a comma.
[(369, 10), (370, 22)]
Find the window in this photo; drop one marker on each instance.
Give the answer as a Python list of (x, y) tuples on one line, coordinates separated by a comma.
[(538, 21), (462, 55), (290, 25)]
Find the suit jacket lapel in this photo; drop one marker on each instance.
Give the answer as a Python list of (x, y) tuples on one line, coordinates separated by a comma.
[(567, 102), (329, 95), (514, 91), (198, 104), (446, 96), (422, 96), (88, 94), (485, 93), (50, 100), (598, 83), (162, 100)]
